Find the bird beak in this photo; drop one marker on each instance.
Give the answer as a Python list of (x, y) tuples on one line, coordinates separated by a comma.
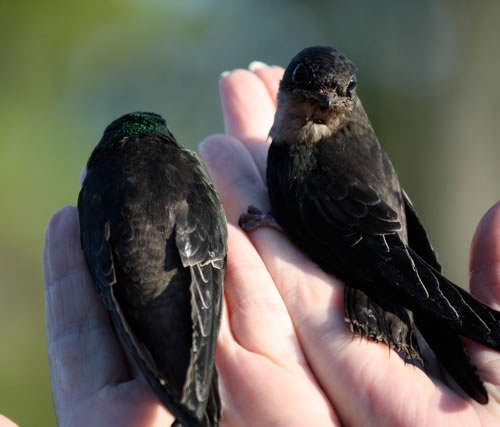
[(325, 98)]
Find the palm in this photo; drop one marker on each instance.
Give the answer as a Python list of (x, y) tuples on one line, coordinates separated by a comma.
[(285, 355), (277, 286)]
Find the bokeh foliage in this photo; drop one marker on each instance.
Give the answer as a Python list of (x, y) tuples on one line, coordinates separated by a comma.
[(427, 74)]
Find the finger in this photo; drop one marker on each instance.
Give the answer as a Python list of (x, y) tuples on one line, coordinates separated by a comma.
[(255, 390), (258, 321), (260, 365), (84, 354), (248, 112), (247, 105), (257, 316), (238, 90), (485, 285), (485, 259), (233, 171), (270, 75)]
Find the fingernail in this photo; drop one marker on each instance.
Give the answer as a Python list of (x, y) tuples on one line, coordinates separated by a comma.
[(257, 65), (224, 74)]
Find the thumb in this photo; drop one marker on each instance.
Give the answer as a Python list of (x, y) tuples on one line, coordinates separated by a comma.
[(485, 285)]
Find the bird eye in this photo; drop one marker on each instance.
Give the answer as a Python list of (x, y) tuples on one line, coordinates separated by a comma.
[(300, 74), (352, 84)]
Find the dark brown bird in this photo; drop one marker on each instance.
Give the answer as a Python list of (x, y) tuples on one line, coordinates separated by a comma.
[(335, 193), (154, 235)]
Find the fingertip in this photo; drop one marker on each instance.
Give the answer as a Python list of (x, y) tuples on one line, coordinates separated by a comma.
[(234, 173), (62, 221), (228, 79), (220, 152), (64, 217), (235, 73), (485, 247), (485, 258), (247, 106), (257, 65), (213, 145), (69, 292), (271, 77), (62, 247), (216, 152)]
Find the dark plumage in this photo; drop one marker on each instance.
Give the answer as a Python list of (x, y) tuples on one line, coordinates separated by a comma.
[(154, 235), (335, 193)]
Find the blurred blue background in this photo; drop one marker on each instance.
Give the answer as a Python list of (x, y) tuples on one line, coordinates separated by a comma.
[(428, 76)]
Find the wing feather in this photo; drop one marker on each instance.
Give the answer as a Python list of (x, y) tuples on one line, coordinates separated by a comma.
[(201, 237)]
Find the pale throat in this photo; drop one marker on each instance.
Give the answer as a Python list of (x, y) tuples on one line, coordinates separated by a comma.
[(303, 122)]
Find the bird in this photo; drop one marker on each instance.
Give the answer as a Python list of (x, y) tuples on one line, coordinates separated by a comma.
[(154, 235), (335, 193)]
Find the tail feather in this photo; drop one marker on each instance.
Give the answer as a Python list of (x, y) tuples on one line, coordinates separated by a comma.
[(213, 411), (450, 351), (382, 321)]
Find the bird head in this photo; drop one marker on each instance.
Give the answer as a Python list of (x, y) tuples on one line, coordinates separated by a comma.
[(322, 76)]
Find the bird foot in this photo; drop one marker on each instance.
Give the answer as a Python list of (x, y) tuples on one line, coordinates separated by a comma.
[(255, 218)]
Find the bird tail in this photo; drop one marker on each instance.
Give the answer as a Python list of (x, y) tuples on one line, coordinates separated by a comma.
[(214, 405), (450, 351), (382, 321), (213, 410)]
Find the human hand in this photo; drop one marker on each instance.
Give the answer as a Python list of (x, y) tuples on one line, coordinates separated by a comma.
[(93, 382), (285, 355), (283, 308)]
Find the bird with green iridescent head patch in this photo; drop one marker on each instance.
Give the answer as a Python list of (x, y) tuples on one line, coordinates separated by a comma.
[(154, 235)]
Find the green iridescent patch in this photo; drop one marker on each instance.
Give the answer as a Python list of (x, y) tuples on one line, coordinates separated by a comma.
[(143, 124)]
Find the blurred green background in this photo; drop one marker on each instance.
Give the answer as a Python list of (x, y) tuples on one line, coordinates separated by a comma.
[(428, 76)]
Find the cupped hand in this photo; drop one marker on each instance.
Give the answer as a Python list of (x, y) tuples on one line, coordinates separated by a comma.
[(285, 355), (282, 310)]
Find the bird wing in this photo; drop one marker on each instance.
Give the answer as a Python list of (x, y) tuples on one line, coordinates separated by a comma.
[(479, 322), (98, 253), (370, 230), (95, 244), (418, 239), (352, 215), (201, 237), (448, 347), (346, 211)]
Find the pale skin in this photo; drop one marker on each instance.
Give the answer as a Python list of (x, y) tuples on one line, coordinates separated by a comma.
[(285, 355)]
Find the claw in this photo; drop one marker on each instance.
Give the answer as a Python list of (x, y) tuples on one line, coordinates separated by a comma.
[(255, 218)]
